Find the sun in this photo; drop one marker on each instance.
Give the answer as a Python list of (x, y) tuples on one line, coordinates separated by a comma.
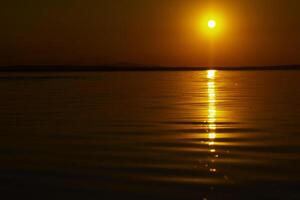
[(212, 24)]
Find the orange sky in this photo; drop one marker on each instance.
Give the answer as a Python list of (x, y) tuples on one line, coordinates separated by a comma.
[(149, 32)]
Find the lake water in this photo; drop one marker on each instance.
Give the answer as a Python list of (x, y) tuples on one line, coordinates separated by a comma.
[(150, 135)]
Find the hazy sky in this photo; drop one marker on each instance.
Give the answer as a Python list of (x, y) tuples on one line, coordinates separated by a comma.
[(159, 32)]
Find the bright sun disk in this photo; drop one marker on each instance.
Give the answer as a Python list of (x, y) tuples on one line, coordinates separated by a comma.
[(212, 24)]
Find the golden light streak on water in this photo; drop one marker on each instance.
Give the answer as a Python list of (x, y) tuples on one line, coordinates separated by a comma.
[(211, 136), (212, 116), (211, 74)]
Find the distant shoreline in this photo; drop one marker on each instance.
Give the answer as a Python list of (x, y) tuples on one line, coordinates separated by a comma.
[(139, 68)]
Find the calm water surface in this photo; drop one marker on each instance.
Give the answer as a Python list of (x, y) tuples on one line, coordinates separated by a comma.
[(151, 135)]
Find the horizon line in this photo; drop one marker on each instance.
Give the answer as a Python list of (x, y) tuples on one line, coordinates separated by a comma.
[(115, 68)]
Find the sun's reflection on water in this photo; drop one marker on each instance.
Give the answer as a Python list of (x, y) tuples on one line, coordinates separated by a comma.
[(211, 74), (212, 116)]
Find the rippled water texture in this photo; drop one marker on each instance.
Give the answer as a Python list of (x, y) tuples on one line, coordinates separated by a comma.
[(151, 135)]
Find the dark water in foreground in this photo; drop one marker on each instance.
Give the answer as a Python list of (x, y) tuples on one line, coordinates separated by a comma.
[(150, 135)]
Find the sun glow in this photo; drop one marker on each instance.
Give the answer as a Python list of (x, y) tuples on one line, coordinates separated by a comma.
[(212, 24)]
